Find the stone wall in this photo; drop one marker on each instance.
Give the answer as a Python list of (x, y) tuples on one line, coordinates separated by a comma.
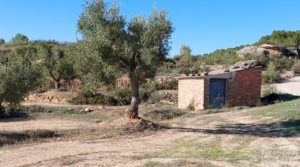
[(191, 92)]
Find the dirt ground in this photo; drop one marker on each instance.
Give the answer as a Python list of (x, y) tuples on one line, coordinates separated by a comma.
[(194, 139), (291, 86)]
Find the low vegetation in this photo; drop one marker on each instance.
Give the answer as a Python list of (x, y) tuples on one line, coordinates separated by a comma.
[(9, 138), (161, 113)]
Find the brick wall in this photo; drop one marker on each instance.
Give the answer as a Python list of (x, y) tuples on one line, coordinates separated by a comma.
[(245, 88), (191, 92)]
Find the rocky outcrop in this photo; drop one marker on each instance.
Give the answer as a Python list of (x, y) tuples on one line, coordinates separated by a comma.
[(248, 50), (272, 50), (243, 65)]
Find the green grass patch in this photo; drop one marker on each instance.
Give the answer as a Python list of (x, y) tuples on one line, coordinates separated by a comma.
[(280, 111), (285, 114), (191, 149)]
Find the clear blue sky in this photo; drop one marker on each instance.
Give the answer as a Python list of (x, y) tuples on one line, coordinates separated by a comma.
[(204, 25)]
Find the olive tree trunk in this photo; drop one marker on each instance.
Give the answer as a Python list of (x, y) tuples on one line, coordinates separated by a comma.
[(133, 110), (1, 100), (2, 111), (57, 84)]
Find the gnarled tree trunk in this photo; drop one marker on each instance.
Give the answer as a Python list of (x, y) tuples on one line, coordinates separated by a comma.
[(133, 110)]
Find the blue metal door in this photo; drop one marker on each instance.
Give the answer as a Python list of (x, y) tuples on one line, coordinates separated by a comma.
[(217, 93)]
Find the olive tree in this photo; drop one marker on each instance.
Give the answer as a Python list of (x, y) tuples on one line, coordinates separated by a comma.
[(20, 39), (136, 47), (58, 63), (18, 75), (185, 60)]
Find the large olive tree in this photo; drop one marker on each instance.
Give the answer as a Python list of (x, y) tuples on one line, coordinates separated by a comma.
[(135, 47)]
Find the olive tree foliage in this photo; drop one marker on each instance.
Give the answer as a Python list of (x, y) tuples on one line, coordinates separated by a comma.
[(136, 47), (58, 63), (185, 60), (19, 75), (20, 39)]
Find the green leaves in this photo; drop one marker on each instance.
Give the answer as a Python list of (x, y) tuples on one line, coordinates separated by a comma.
[(282, 38), (58, 61), (19, 75), (138, 45), (20, 39)]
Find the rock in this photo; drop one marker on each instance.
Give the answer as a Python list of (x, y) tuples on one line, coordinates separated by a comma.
[(248, 50), (101, 107), (269, 49), (89, 109), (245, 65), (167, 102)]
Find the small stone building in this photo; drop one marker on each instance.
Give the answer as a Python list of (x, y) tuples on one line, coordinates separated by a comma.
[(240, 85)]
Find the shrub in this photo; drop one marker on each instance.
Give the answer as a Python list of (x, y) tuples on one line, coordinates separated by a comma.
[(122, 96), (167, 85), (271, 75), (282, 62), (296, 67), (91, 97), (156, 97), (163, 113), (270, 89)]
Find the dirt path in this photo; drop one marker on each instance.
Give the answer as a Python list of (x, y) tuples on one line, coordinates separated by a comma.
[(138, 150), (70, 105), (292, 86)]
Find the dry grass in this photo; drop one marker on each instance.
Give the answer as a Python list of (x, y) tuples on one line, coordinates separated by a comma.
[(8, 138)]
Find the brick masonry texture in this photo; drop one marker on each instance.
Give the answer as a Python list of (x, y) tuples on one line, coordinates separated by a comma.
[(244, 89)]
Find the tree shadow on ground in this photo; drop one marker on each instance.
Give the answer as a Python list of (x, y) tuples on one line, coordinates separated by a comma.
[(14, 117), (7, 138), (277, 98), (288, 128)]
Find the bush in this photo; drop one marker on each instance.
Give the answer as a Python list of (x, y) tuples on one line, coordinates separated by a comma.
[(163, 113), (282, 62), (167, 85), (270, 89), (271, 75), (91, 97), (122, 96), (296, 67), (156, 97)]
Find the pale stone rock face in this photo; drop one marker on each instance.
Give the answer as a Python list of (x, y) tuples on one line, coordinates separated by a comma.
[(272, 50), (248, 50)]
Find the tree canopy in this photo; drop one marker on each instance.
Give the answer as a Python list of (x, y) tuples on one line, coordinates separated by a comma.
[(58, 62), (20, 39)]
